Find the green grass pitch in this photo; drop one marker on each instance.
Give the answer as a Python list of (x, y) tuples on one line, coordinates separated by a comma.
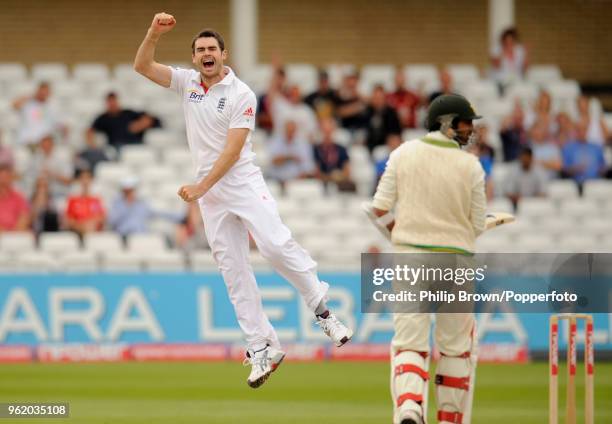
[(298, 393)]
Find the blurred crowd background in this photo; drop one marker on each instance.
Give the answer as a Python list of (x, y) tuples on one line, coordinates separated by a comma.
[(92, 154)]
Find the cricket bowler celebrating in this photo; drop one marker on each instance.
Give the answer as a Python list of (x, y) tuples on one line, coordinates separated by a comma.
[(439, 198), (232, 194)]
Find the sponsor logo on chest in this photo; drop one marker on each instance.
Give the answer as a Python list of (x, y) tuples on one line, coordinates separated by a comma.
[(194, 96)]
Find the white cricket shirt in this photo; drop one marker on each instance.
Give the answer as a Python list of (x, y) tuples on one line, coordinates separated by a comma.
[(209, 114)]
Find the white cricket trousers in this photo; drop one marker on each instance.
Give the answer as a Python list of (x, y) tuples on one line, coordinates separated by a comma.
[(453, 331), (230, 212)]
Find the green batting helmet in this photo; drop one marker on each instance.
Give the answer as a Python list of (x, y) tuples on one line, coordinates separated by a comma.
[(453, 105)]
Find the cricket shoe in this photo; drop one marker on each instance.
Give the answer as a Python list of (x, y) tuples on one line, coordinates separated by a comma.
[(263, 362), (335, 330), (410, 417)]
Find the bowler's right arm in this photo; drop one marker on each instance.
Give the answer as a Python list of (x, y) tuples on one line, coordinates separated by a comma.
[(144, 63)]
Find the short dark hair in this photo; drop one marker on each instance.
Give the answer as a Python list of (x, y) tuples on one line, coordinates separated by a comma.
[(111, 95), (208, 33), (510, 32), (82, 169), (527, 151)]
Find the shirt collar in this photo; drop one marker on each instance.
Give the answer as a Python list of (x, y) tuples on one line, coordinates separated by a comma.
[(227, 80), (436, 138)]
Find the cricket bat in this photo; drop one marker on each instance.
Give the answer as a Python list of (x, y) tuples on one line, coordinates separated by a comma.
[(492, 219), (495, 219)]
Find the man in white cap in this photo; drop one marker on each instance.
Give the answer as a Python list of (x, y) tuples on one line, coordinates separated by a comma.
[(131, 214)]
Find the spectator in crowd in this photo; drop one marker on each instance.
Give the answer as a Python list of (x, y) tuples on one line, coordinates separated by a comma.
[(84, 211), (597, 130), (323, 101), (583, 160), (404, 101), (91, 155), (122, 126), (291, 155), (44, 216), (332, 159), (526, 179), (546, 153), (351, 107), (566, 130), (264, 117), (292, 108), (541, 112), (130, 214), (47, 163), (446, 85), (14, 208), (381, 118), (486, 155), (190, 232), (6, 153), (393, 142), (514, 136), (38, 117), (509, 59)]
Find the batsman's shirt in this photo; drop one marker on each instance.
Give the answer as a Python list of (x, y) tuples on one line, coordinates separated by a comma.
[(438, 192), (209, 114)]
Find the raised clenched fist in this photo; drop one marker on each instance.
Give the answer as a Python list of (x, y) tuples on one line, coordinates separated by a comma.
[(162, 22)]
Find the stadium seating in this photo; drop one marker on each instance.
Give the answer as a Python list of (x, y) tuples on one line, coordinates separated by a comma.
[(537, 243), (422, 76), (202, 261), (562, 189), (525, 92), (537, 209), (326, 223), (49, 72), (258, 78), (463, 74), (91, 72), (79, 261), (580, 209), (122, 262), (337, 71), (36, 262), (17, 242), (165, 261), (138, 156), (7, 263), (103, 242), (599, 190), (59, 243), (305, 190), (146, 244), (302, 74), (372, 75), (111, 173), (542, 74), (13, 72)]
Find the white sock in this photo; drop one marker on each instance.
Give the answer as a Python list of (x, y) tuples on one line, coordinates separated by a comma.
[(321, 309)]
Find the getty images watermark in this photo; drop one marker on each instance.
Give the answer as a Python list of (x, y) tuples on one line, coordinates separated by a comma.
[(457, 276), (435, 282)]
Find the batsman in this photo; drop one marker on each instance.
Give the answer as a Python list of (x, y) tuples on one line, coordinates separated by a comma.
[(437, 194)]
